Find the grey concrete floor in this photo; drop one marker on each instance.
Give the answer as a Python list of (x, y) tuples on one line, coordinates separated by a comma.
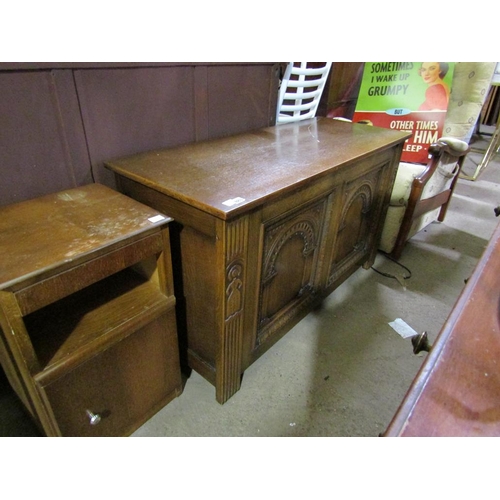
[(342, 371)]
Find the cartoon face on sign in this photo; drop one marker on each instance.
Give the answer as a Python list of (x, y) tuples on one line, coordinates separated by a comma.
[(409, 96), (437, 93)]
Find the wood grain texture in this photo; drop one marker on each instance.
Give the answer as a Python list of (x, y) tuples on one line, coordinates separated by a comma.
[(87, 310), (457, 390), (257, 166), (46, 235), (307, 204)]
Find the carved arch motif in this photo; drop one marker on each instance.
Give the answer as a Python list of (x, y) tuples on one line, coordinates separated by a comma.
[(354, 233), (365, 192), (304, 228), (286, 289)]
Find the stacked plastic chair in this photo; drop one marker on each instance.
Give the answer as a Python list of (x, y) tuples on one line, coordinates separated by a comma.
[(300, 91)]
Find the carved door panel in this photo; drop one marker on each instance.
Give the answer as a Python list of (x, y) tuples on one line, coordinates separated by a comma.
[(356, 227), (290, 258)]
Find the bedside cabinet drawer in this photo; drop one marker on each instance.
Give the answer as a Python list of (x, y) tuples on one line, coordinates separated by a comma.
[(118, 389)]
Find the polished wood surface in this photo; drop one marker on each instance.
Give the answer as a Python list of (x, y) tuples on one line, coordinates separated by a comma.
[(60, 230), (267, 223), (257, 166), (87, 310), (457, 390)]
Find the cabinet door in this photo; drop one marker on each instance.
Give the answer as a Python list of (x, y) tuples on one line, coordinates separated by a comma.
[(356, 231), (290, 258), (124, 385)]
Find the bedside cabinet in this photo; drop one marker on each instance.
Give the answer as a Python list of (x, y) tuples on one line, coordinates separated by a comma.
[(87, 311)]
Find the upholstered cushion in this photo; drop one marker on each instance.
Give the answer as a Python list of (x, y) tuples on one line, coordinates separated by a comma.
[(423, 221), (457, 144), (393, 221), (471, 82), (390, 231), (440, 181), (402, 185), (469, 89)]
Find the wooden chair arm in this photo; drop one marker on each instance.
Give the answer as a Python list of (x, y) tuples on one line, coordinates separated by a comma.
[(446, 145)]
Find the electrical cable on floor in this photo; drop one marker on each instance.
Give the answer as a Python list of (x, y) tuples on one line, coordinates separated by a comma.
[(388, 275)]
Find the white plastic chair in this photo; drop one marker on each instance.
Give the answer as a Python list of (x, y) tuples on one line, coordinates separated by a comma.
[(300, 91)]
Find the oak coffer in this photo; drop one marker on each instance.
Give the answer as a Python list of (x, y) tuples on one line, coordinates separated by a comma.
[(267, 223)]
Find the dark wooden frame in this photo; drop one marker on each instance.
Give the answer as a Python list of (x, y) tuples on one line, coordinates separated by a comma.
[(455, 392), (439, 152)]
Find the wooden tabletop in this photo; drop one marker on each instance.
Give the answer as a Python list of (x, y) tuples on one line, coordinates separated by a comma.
[(47, 232), (230, 175), (457, 391)]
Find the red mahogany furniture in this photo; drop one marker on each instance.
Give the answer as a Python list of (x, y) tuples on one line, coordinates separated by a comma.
[(267, 223), (457, 390), (87, 311)]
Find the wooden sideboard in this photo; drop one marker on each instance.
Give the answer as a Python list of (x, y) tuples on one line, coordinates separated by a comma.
[(267, 223), (88, 335), (457, 390)]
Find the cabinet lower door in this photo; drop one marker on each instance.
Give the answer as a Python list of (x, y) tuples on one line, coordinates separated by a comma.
[(289, 266), (120, 388), (357, 227)]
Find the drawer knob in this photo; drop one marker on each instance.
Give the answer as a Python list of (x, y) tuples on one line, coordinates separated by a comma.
[(95, 418), (420, 343)]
